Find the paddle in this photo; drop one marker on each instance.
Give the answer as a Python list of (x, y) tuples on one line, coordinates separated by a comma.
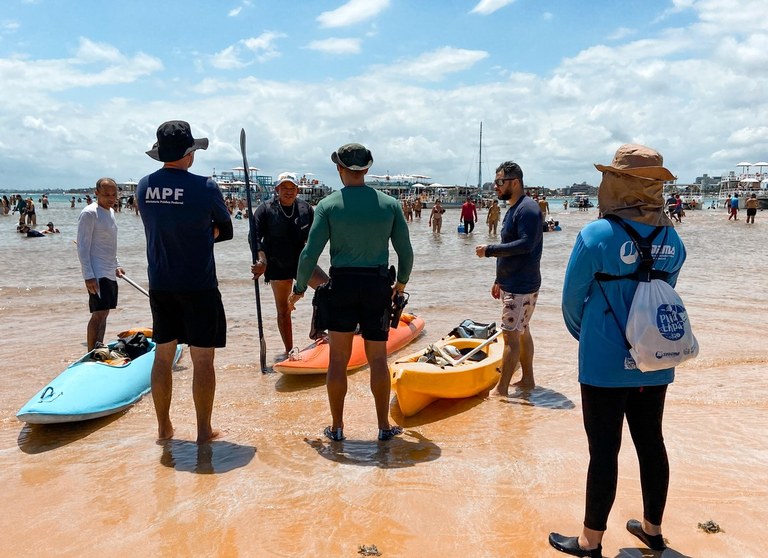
[(134, 284), (254, 255), (471, 353)]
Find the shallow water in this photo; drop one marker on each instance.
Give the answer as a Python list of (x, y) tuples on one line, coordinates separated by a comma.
[(476, 477)]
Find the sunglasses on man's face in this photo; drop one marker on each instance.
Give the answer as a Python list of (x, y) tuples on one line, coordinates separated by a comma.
[(500, 181)]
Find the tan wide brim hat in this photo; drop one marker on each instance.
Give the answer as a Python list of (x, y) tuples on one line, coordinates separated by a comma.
[(639, 161)]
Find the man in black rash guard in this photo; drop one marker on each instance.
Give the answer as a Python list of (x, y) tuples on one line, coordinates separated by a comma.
[(281, 227)]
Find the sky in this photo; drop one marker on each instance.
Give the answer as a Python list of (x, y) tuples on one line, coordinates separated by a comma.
[(558, 85)]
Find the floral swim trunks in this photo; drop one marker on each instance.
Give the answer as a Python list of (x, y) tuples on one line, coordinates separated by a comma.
[(518, 309)]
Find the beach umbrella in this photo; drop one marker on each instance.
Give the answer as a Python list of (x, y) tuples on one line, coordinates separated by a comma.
[(744, 165), (761, 164)]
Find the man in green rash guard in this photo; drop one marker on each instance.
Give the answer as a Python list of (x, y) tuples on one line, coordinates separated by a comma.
[(359, 223)]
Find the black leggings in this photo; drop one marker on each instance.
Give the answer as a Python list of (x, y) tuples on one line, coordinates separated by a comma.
[(604, 410)]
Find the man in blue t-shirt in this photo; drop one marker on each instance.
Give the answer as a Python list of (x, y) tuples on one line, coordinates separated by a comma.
[(518, 273), (183, 215), (734, 208)]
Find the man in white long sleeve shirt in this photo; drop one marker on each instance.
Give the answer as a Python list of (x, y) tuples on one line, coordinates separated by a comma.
[(97, 250)]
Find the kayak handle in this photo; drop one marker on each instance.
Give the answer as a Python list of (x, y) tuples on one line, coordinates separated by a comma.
[(47, 396)]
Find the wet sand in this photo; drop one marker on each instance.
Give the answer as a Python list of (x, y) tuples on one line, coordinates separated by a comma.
[(481, 477)]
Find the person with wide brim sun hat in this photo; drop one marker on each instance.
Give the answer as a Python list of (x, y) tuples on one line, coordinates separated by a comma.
[(612, 387)]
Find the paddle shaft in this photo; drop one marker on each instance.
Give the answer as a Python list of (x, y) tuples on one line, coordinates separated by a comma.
[(135, 284), (474, 351), (254, 255)]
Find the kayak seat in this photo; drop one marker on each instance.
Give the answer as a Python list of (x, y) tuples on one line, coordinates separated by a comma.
[(477, 357), (470, 329)]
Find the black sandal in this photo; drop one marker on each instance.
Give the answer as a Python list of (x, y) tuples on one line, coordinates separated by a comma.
[(389, 433), (570, 545), (654, 542), (334, 435)]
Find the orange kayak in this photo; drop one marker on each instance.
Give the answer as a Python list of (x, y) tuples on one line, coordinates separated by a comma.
[(314, 359)]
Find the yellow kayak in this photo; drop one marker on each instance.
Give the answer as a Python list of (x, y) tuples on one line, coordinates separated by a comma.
[(417, 384)]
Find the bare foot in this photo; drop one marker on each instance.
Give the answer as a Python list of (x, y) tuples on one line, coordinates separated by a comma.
[(525, 384), (208, 437), (501, 392), (164, 434)]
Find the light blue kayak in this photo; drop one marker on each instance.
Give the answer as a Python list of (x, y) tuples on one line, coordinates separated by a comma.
[(89, 389)]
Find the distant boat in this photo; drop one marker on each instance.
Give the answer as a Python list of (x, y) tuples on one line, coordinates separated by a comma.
[(744, 185), (581, 201), (232, 183), (399, 185), (312, 190), (690, 194)]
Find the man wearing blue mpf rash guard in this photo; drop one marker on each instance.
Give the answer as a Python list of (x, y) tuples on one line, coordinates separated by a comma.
[(183, 215), (611, 385)]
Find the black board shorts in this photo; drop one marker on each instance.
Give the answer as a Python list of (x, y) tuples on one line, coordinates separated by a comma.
[(107, 297), (281, 267), (196, 318), (356, 296)]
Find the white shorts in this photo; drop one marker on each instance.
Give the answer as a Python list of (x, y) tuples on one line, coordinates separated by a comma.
[(517, 311)]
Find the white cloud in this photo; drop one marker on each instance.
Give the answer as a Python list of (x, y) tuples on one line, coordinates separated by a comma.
[(336, 46), (8, 26), (93, 64), (227, 58), (621, 33), (89, 51), (235, 11), (435, 65), (354, 11), (39, 125), (487, 7), (246, 51)]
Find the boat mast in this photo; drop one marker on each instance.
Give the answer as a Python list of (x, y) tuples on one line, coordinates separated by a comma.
[(480, 163)]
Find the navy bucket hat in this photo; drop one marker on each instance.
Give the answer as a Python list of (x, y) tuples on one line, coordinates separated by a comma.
[(175, 141)]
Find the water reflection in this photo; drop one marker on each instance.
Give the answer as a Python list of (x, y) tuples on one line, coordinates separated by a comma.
[(395, 454), (206, 459)]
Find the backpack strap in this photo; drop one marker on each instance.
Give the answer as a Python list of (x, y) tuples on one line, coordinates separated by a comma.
[(644, 272), (643, 244)]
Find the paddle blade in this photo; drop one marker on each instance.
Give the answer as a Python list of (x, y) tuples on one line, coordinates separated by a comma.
[(242, 147), (263, 354)]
